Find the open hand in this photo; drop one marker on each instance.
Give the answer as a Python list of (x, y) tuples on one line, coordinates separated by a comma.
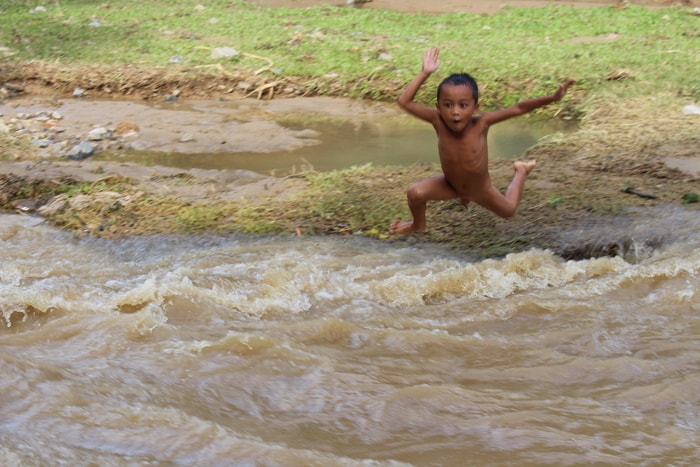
[(430, 60)]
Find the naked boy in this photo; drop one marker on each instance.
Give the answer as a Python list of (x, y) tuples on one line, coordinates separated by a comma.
[(462, 146)]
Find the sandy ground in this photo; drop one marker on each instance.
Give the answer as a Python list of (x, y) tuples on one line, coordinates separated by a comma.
[(191, 126), (246, 125)]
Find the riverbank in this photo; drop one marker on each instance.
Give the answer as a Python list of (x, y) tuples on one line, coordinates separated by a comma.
[(597, 191)]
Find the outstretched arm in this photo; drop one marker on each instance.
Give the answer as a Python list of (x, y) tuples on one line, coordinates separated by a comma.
[(406, 99), (526, 106)]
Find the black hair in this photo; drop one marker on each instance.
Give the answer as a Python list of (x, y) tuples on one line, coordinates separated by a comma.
[(461, 79)]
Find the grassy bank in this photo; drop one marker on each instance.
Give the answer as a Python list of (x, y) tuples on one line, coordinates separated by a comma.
[(366, 53)]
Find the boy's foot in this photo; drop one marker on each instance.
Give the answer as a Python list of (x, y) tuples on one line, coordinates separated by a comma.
[(399, 227), (524, 166)]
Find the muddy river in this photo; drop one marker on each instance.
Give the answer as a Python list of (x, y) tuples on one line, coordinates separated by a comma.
[(233, 350)]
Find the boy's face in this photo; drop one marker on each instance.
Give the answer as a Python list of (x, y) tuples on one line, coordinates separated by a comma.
[(456, 106)]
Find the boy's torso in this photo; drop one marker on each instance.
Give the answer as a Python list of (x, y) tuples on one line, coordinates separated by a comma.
[(464, 157)]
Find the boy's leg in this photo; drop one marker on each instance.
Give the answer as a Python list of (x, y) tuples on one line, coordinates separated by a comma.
[(431, 189), (505, 206)]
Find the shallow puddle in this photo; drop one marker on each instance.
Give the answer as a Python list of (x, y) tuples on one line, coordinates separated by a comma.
[(276, 137), (342, 143)]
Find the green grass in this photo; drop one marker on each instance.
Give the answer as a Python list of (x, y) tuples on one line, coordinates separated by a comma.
[(513, 54)]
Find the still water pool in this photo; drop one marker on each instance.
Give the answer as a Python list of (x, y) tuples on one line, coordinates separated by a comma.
[(342, 143)]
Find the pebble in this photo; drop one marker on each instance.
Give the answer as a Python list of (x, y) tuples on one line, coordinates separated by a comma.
[(691, 109), (81, 151), (25, 205), (224, 52), (98, 134), (42, 142)]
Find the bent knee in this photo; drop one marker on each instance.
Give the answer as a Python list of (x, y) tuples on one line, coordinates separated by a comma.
[(416, 193)]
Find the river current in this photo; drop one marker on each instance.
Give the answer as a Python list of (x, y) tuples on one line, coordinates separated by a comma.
[(294, 351)]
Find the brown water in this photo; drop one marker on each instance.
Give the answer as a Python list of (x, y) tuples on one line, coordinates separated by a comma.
[(341, 351)]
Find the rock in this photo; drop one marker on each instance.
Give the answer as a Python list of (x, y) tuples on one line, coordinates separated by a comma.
[(81, 151), (13, 89), (691, 109), (126, 128), (42, 142), (54, 206), (224, 52), (78, 92), (186, 138), (98, 134), (25, 205)]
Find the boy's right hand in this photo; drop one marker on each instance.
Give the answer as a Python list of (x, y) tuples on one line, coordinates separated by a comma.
[(430, 60), (562, 89)]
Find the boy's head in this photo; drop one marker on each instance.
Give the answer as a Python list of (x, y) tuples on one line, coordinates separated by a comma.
[(461, 79)]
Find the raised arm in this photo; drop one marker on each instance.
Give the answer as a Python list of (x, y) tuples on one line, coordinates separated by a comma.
[(406, 99), (526, 106)]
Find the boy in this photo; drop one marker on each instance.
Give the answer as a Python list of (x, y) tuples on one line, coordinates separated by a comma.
[(462, 146)]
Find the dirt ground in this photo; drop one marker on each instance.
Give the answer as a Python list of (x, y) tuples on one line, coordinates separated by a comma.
[(562, 209)]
